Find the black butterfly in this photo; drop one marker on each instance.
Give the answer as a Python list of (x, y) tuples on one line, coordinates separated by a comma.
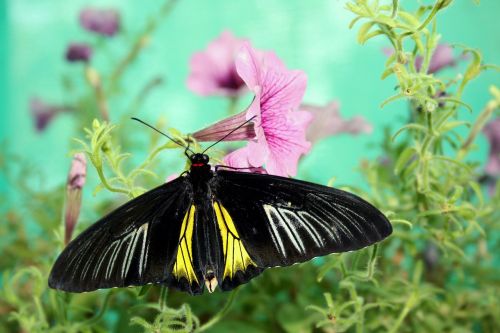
[(216, 227)]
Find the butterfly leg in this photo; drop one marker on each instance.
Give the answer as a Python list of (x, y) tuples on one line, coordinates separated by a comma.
[(251, 169)]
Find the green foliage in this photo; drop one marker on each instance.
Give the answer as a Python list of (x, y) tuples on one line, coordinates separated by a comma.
[(438, 272)]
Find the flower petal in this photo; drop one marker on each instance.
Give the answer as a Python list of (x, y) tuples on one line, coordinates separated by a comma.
[(221, 128), (327, 121), (213, 71)]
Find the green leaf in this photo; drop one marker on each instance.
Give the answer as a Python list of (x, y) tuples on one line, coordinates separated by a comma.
[(416, 127), (363, 31), (403, 159)]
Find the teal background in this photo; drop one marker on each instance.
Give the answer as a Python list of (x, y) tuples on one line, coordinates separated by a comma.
[(308, 35)]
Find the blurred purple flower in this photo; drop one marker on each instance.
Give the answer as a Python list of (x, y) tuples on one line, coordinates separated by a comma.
[(43, 113), (327, 121), (213, 71), (492, 132), (440, 59), (104, 22), (74, 185), (278, 137), (78, 52)]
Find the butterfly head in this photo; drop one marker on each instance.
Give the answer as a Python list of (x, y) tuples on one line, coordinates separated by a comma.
[(199, 160)]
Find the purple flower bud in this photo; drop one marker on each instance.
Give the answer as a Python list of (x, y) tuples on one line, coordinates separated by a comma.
[(104, 22), (74, 185), (431, 256), (78, 52), (492, 132), (42, 113)]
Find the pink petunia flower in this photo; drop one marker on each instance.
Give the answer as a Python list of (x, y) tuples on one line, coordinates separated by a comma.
[(104, 22), (278, 138), (74, 185), (327, 121), (213, 71)]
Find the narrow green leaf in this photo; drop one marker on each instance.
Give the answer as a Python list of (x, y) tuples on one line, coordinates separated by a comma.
[(363, 31), (403, 159)]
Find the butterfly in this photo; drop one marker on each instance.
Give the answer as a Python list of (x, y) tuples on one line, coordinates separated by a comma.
[(215, 227)]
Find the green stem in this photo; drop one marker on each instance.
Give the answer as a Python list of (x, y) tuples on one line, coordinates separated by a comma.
[(477, 127), (215, 319), (435, 9), (92, 321), (407, 308), (140, 42), (104, 182)]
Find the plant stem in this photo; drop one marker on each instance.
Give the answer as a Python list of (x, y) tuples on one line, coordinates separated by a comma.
[(215, 319), (92, 321), (94, 80), (140, 43)]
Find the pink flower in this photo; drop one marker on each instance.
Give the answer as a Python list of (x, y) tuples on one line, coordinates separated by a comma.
[(213, 71), (104, 22), (278, 138), (327, 121), (492, 132), (74, 185)]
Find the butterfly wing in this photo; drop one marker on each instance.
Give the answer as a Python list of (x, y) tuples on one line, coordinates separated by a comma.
[(280, 221), (134, 245)]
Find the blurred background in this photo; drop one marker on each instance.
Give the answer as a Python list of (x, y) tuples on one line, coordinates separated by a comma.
[(314, 38), (156, 48)]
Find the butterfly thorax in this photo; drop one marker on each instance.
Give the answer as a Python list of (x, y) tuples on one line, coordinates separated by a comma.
[(200, 171)]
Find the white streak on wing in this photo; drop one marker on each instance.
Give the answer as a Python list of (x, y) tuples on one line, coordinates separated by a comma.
[(281, 222), (330, 229), (97, 268), (128, 253), (356, 222), (78, 257), (142, 260), (274, 232), (114, 255), (287, 216), (338, 222), (310, 229)]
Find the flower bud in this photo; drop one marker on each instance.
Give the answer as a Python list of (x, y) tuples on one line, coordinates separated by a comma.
[(74, 185)]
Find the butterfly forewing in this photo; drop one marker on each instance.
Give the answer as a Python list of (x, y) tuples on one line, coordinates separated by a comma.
[(281, 221), (134, 245)]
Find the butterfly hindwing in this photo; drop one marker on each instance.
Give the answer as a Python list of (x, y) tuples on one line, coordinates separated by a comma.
[(134, 245), (281, 221), (238, 266)]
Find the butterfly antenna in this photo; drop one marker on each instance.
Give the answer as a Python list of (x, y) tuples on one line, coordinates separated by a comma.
[(157, 130), (228, 134)]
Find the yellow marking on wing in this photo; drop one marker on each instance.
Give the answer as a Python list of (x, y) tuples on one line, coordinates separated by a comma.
[(183, 266), (236, 257)]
